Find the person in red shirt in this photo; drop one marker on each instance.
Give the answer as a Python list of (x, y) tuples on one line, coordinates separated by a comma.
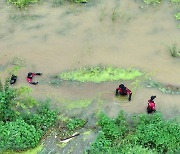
[(30, 77), (122, 90), (151, 105)]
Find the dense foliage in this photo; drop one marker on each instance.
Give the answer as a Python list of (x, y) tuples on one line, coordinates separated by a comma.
[(136, 134), (21, 130)]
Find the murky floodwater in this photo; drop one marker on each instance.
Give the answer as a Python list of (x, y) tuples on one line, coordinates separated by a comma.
[(120, 33)]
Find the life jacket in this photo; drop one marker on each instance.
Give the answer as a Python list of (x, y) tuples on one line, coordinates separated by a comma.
[(123, 91), (30, 77), (151, 105)]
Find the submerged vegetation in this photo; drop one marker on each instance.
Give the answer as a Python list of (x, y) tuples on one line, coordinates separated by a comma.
[(167, 89), (74, 104), (174, 50), (152, 1), (100, 74), (136, 134), (22, 3)]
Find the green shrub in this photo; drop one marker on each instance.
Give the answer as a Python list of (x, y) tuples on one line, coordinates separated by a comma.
[(18, 135), (41, 120), (74, 123), (147, 134)]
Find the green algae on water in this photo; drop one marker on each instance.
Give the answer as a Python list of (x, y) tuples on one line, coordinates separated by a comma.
[(100, 74)]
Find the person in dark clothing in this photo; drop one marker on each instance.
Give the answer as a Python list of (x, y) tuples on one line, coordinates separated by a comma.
[(151, 105), (30, 77), (122, 90), (13, 79)]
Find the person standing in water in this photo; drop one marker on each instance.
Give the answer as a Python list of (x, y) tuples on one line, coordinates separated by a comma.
[(151, 105), (122, 90)]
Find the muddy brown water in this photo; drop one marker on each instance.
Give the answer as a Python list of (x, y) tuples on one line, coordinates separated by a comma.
[(122, 33)]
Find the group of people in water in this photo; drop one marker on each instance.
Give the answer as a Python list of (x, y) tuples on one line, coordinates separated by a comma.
[(29, 78), (121, 90)]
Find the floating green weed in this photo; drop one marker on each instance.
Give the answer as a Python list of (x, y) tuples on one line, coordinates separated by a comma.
[(74, 104), (22, 3), (100, 74), (167, 89), (152, 1)]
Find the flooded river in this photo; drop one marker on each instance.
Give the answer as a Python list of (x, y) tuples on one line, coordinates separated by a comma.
[(122, 33)]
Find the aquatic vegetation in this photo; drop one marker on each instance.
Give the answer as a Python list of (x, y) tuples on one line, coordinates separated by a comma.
[(80, 1), (22, 3), (175, 1), (174, 51), (152, 1), (24, 17), (177, 15), (167, 89), (115, 15), (74, 104), (100, 74), (18, 61), (136, 134)]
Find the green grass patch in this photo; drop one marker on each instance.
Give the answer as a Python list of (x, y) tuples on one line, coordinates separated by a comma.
[(146, 134), (75, 104), (100, 74), (152, 1), (22, 3)]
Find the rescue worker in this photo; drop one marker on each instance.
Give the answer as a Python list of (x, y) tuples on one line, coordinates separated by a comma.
[(122, 90), (13, 79), (30, 77), (151, 105)]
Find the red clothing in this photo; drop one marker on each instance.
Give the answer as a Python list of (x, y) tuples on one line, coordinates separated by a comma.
[(151, 105), (124, 92), (30, 77)]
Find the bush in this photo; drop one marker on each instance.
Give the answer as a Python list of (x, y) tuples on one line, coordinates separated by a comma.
[(74, 123), (18, 135), (43, 119), (145, 134)]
